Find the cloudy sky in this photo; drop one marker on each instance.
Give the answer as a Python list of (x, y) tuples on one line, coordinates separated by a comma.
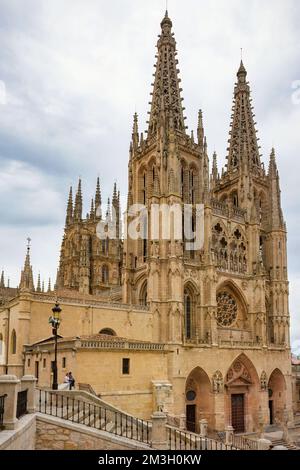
[(73, 72)]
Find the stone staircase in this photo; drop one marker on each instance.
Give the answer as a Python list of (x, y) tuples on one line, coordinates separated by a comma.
[(281, 442), (83, 408)]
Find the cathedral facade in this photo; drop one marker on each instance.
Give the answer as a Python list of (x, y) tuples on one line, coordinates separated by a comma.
[(149, 322)]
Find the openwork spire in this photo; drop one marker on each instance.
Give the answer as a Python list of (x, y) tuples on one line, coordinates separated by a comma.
[(243, 143), (98, 199), (69, 217), (78, 204), (166, 106), (275, 210)]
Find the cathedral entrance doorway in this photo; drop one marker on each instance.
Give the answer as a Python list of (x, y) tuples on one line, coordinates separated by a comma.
[(191, 418), (271, 411), (199, 400), (238, 412), (242, 395), (277, 396)]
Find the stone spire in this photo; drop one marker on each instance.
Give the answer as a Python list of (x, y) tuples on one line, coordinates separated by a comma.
[(69, 217), (98, 199), (43, 286), (275, 211), (108, 213), (26, 283), (92, 211), (38, 287), (135, 132), (2, 283), (166, 105), (215, 173), (243, 142), (49, 285), (200, 129), (78, 204)]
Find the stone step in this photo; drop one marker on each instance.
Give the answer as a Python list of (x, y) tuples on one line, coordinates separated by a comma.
[(281, 442)]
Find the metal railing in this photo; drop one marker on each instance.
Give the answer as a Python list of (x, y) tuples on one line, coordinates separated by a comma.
[(22, 403), (244, 443), (94, 416), (2, 401), (184, 440)]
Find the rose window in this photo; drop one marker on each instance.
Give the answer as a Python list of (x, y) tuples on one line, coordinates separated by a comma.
[(226, 309)]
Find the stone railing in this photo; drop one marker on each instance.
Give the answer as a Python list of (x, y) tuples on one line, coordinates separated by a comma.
[(219, 208), (90, 303), (119, 344), (237, 213)]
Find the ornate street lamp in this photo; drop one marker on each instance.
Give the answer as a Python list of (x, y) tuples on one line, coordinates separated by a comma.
[(54, 320)]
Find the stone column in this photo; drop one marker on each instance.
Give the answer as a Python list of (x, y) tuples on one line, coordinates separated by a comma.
[(28, 383), (9, 385), (203, 427), (229, 435), (159, 431)]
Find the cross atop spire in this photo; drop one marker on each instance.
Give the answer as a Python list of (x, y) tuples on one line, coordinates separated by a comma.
[(166, 105)]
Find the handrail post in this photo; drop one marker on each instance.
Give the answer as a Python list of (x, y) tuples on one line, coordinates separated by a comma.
[(159, 431), (28, 382), (229, 435), (9, 385)]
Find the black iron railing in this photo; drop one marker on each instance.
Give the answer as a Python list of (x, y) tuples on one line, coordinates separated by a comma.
[(2, 401), (184, 440), (243, 443), (22, 403), (94, 416)]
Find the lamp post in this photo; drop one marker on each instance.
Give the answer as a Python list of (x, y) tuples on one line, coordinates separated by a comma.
[(54, 320)]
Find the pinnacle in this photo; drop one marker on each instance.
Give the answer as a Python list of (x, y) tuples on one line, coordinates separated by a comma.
[(166, 20), (242, 69), (166, 104)]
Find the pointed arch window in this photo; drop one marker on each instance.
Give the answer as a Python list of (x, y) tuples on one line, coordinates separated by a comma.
[(144, 191), (144, 294), (105, 274), (13, 342), (1, 344), (188, 314)]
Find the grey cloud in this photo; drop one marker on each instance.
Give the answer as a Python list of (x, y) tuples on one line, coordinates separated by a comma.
[(76, 71)]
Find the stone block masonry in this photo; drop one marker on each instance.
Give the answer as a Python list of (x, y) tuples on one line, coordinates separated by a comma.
[(56, 434)]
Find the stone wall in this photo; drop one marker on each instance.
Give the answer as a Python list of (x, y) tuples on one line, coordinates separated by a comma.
[(55, 434), (21, 438)]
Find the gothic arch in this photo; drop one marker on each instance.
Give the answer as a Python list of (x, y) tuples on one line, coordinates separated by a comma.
[(105, 274), (231, 285), (1, 344), (277, 396), (244, 359), (143, 294), (190, 305), (242, 397), (199, 399)]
